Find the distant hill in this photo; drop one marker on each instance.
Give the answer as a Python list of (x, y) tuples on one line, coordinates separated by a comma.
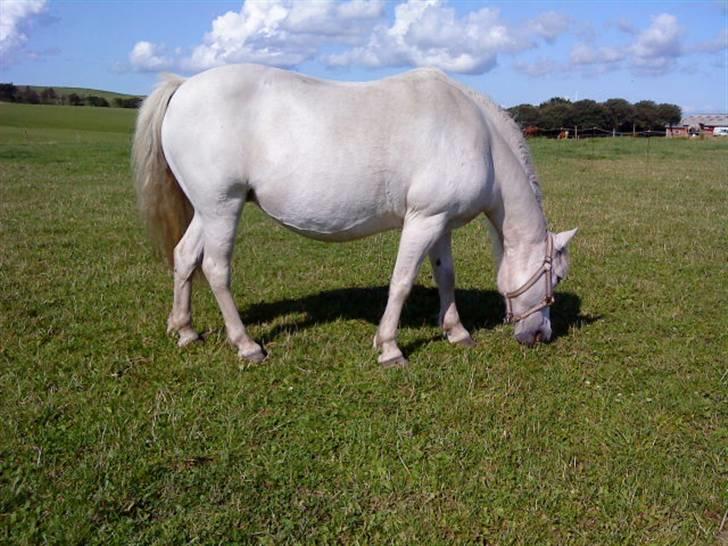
[(80, 91), (73, 96)]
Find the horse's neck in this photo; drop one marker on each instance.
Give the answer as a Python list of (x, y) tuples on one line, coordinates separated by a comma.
[(515, 214)]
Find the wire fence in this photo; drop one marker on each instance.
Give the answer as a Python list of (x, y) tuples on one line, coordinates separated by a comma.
[(576, 132)]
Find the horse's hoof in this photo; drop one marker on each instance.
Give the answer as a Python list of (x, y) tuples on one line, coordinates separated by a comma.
[(255, 357), (185, 338), (467, 341), (394, 362)]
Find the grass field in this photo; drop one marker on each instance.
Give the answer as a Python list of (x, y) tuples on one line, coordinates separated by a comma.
[(73, 118), (614, 433)]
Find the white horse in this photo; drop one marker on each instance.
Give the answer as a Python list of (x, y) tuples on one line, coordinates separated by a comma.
[(338, 161)]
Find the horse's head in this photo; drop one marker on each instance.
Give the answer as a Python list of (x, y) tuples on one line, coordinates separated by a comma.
[(528, 287)]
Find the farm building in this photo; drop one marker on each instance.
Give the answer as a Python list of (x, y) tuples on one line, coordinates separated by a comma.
[(697, 124)]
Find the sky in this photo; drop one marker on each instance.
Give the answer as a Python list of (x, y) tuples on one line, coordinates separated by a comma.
[(516, 52)]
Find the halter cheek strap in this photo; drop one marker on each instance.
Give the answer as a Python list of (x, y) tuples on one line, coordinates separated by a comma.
[(548, 298)]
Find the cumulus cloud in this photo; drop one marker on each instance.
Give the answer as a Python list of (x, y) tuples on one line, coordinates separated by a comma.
[(149, 57), (626, 26), (657, 48), (278, 32), (429, 33), (433, 33), (716, 45), (584, 59), (356, 32), (653, 51), (584, 54), (15, 17), (550, 25)]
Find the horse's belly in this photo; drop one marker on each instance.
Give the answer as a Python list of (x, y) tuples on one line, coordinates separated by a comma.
[(367, 227), (328, 218)]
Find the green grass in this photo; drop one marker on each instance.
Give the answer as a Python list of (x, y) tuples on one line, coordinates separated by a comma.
[(74, 118), (614, 433)]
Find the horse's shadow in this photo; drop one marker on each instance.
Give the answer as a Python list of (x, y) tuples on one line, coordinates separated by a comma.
[(479, 309)]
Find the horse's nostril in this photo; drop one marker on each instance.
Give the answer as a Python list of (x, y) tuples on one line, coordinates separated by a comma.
[(539, 337)]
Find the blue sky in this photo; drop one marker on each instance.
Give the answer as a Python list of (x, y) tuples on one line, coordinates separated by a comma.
[(522, 51)]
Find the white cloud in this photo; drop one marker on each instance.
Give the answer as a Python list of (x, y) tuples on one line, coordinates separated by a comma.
[(433, 33), (584, 54), (653, 51), (626, 26), (14, 17), (550, 25), (149, 57), (716, 45), (428, 33), (657, 48), (277, 32), (289, 32)]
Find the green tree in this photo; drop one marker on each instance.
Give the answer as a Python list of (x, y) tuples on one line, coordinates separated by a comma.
[(8, 92), (131, 102), (556, 113), (669, 114), (30, 95), (526, 115), (48, 96), (588, 113), (93, 100), (555, 100), (646, 117), (75, 100), (620, 114)]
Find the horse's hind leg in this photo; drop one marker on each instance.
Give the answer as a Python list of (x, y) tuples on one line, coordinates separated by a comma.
[(187, 257), (418, 236), (443, 270), (219, 238)]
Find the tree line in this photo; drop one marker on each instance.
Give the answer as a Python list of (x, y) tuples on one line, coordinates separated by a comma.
[(613, 114), (48, 95)]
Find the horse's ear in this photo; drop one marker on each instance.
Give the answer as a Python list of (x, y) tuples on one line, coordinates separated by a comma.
[(562, 239)]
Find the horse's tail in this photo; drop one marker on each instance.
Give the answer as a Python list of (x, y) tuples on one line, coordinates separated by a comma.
[(164, 207)]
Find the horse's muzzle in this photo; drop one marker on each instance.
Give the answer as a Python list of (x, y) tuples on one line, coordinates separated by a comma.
[(531, 336)]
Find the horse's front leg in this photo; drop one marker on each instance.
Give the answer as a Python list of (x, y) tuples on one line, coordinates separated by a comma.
[(419, 234), (443, 270)]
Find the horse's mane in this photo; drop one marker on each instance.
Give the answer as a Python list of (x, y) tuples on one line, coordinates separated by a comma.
[(510, 131)]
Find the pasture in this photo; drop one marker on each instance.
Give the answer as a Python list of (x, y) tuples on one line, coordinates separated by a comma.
[(615, 432)]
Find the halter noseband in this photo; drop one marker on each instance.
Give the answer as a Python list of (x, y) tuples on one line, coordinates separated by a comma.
[(548, 298)]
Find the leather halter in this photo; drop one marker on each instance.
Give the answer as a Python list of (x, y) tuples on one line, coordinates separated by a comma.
[(548, 298)]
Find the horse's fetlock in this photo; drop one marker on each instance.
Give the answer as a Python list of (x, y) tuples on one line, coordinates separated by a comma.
[(177, 322)]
